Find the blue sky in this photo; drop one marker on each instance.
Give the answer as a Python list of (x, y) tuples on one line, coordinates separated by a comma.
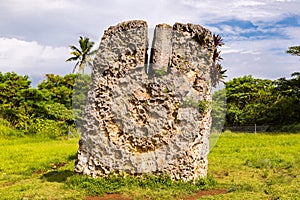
[(246, 29), (35, 34)]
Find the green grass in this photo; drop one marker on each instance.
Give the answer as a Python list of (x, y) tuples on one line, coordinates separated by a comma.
[(248, 166), (27, 163), (257, 166), (156, 187), (7, 132)]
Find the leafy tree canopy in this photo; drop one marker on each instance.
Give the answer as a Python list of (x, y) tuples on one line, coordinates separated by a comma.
[(248, 100), (32, 109)]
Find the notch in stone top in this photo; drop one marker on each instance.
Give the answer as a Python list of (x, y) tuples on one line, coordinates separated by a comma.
[(161, 49)]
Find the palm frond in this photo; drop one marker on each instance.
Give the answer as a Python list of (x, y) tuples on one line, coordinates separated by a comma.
[(74, 48), (75, 53), (83, 42), (72, 59), (218, 41)]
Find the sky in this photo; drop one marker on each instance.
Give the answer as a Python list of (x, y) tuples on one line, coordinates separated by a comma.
[(35, 34)]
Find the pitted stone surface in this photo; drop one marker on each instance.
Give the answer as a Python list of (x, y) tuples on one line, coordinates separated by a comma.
[(154, 119)]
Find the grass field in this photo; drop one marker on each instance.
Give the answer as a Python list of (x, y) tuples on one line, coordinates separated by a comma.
[(257, 166), (248, 166)]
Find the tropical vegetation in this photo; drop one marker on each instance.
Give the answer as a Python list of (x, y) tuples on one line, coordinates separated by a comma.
[(260, 101), (83, 55), (45, 110)]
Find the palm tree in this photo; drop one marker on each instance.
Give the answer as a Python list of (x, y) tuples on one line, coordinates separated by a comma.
[(84, 55)]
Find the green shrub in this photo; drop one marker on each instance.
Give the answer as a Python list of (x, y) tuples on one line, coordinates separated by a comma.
[(7, 132), (294, 128), (46, 128)]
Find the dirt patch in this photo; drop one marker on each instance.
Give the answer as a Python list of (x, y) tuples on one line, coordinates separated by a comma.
[(39, 171), (53, 166), (110, 197), (203, 193), (220, 174), (58, 165), (8, 184), (191, 197)]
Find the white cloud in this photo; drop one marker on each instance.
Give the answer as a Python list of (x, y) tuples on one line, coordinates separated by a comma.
[(248, 3), (35, 34), (31, 58), (293, 33), (26, 7), (263, 10), (261, 58)]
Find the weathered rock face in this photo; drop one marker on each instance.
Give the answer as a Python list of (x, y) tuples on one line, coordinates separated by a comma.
[(149, 119)]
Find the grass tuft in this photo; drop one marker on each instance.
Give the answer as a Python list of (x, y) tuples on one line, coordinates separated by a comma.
[(117, 184)]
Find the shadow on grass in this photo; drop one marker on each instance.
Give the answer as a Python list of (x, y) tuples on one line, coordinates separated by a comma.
[(58, 176)]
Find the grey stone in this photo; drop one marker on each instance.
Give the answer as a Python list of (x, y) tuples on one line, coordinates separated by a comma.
[(142, 119)]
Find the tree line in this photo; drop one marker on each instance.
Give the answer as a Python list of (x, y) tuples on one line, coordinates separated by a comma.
[(260, 101), (253, 101), (53, 106), (46, 109)]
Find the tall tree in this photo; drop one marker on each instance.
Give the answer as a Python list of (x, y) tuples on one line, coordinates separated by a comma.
[(83, 55), (294, 50), (58, 89), (286, 108), (12, 87), (248, 100)]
